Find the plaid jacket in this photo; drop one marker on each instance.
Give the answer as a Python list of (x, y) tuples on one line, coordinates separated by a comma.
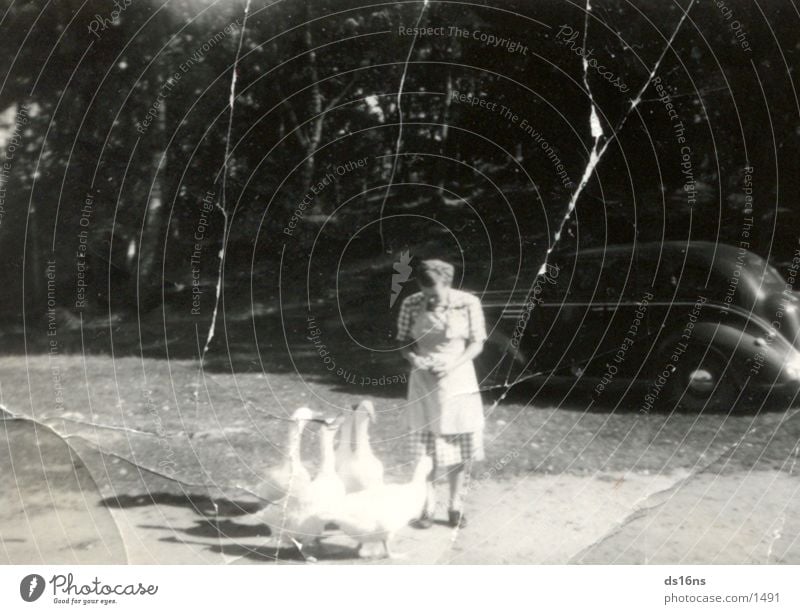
[(457, 300)]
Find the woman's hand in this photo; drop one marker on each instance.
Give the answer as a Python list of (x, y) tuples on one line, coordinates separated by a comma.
[(420, 362), (417, 362), (441, 368)]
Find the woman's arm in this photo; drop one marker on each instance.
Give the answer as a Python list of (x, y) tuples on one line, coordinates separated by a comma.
[(404, 323), (475, 339), (473, 349), (411, 357)]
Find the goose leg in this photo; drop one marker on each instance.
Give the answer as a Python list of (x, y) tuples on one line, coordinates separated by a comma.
[(389, 553), (299, 546), (318, 547), (370, 553)]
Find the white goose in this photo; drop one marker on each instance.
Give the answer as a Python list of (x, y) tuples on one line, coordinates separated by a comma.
[(303, 515), (324, 495), (359, 469), (344, 451), (377, 513), (291, 475), (370, 468)]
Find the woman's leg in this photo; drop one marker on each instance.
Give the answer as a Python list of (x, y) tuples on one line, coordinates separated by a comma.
[(455, 476), (426, 513), (425, 520), (430, 501)]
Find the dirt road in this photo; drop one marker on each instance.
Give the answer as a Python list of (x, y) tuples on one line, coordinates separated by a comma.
[(561, 485)]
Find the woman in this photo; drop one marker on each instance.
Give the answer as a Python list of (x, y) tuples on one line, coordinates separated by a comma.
[(444, 330)]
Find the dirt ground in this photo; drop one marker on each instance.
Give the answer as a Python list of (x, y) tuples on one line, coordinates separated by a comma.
[(86, 477)]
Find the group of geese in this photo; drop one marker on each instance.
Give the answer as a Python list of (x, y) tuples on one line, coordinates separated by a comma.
[(348, 490)]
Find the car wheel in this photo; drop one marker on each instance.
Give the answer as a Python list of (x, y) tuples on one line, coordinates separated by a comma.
[(702, 383)]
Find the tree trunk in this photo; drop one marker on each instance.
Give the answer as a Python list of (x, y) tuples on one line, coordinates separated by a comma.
[(148, 282), (315, 132), (443, 163)]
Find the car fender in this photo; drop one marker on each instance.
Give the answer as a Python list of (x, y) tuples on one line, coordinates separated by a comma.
[(737, 347)]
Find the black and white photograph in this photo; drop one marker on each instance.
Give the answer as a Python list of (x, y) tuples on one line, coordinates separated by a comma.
[(395, 284)]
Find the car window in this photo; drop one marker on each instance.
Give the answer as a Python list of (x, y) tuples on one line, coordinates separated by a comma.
[(768, 274), (553, 285), (585, 282), (593, 276), (695, 279), (620, 278), (686, 280)]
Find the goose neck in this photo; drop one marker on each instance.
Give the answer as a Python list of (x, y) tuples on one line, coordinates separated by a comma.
[(362, 424), (347, 433), (327, 451), (295, 436)]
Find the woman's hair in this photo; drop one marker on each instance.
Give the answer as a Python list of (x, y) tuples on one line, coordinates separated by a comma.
[(431, 271)]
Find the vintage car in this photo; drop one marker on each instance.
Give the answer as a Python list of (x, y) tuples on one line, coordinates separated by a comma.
[(698, 325)]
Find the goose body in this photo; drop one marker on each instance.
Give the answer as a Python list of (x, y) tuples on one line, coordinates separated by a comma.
[(370, 468), (324, 495), (344, 452), (358, 466), (376, 514), (291, 475), (303, 514)]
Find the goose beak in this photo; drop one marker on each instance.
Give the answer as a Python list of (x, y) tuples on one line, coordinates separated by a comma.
[(335, 422), (324, 419), (303, 414), (328, 420), (369, 408)]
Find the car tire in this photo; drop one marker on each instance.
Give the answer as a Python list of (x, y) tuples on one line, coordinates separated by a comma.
[(701, 382)]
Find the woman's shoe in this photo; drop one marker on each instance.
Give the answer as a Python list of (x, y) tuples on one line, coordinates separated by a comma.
[(423, 522), (456, 519)]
